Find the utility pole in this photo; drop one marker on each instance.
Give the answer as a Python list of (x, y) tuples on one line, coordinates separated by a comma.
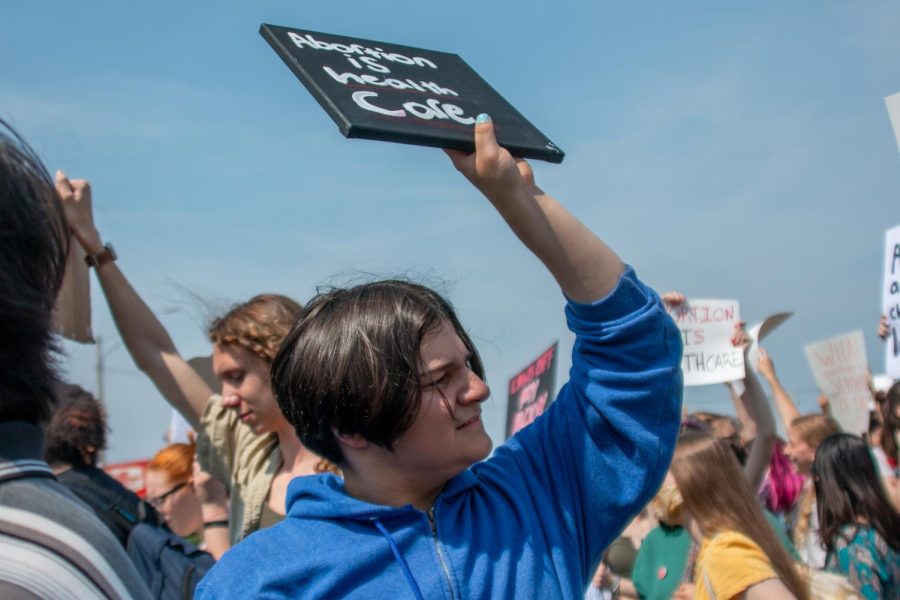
[(101, 396)]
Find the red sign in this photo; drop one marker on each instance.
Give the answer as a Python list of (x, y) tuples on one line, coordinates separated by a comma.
[(531, 391), (129, 474)]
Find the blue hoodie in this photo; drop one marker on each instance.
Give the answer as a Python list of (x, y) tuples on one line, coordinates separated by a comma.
[(530, 522)]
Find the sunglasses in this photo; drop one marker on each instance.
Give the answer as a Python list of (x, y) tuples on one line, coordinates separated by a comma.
[(159, 500)]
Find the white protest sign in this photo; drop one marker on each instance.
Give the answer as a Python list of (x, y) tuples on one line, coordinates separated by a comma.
[(893, 107), (760, 331), (707, 327), (842, 373), (891, 300)]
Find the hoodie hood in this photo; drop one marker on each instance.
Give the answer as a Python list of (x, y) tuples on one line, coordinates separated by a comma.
[(324, 497)]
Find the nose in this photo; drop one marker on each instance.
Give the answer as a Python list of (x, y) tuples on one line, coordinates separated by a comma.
[(476, 390), (230, 397)]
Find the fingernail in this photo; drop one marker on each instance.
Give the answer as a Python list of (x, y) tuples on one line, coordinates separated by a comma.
[(483, 118)]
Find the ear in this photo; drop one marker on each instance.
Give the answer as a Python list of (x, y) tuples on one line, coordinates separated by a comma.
[(351, 440)]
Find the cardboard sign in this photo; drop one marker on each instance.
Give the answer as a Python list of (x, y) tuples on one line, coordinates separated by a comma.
[(893, 107), (842, 373), (72, 311), (531, 391), (891, 300), (707, 327), (382, 91)]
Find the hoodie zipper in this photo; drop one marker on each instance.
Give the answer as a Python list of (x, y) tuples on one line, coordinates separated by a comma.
[(437, 546)]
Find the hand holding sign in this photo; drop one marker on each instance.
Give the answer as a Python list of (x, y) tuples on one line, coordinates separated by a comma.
[(708, 332), (492, 169), (396, 93)]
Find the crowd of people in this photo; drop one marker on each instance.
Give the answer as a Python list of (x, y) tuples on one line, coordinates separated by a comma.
[(343, 455)]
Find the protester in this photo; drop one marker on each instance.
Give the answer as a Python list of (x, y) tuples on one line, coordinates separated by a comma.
[(243, 439), (740, 555), (783, 485), (667, 555), (51, 544), (382, 379), (172, 488), (858, 525), (805, 433), (74, 438)]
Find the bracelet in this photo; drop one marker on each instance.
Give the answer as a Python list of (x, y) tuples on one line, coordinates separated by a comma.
[(211, 524)]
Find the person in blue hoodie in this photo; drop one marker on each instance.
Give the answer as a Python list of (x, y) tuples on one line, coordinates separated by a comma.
[(382, 379)]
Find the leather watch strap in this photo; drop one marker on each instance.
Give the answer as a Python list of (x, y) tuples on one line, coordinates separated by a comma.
[(107, 255)]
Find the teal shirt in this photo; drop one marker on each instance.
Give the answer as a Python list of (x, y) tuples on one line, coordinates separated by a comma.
[(869, 563), (661, 561)]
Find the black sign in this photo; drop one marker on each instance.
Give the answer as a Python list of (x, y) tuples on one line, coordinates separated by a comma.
[(402, 94), (531, 391)]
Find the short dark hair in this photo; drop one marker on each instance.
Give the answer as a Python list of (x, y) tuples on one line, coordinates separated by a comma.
[(34, 243), (77, 430), (351, 363)]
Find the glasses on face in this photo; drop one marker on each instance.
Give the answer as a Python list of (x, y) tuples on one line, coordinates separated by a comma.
[(159, 500)]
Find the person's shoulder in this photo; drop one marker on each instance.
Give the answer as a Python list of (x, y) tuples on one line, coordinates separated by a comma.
[(293, 550), (48, 514)]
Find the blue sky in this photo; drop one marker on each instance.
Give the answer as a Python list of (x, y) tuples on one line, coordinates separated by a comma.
[(730, 151)]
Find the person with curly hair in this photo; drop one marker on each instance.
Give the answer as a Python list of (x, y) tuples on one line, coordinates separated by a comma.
[(243, 439), (73, 441)]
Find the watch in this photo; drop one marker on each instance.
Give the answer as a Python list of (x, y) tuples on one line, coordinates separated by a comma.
[(107, 255)]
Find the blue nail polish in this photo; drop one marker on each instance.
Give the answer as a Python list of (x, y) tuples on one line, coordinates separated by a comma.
[(483, 118)]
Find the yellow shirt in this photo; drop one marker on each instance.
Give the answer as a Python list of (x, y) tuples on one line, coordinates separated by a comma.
[(729, 563)]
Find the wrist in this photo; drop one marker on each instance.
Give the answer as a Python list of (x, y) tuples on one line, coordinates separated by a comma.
[(91, 242), (213, 512)]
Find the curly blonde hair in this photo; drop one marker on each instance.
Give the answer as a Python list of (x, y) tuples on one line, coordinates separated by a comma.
[(258, 325)]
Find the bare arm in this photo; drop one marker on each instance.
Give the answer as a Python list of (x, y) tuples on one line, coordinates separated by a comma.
[(147, 341), (756, 416), (787, 410), (754, 407), (214, 508), (585, 268)]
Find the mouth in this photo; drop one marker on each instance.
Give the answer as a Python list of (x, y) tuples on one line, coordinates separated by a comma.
[(470, 422), (244, 417)]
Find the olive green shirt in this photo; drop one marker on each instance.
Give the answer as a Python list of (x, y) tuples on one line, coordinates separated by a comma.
[(242, 460)]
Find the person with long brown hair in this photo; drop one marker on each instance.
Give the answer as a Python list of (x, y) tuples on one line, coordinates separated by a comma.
[(740, 554), (244, 440), (858, 525)]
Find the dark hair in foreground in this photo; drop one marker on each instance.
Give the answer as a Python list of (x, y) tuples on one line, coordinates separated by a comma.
[(33, 247), (77, 430), (352, 363), (848, 489), (718, 495)]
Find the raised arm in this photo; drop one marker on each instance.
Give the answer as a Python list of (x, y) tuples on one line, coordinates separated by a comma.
[(147, 341), (787, 410), (585, 268)]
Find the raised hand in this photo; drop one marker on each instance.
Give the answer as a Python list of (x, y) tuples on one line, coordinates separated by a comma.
[(75, 196)]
